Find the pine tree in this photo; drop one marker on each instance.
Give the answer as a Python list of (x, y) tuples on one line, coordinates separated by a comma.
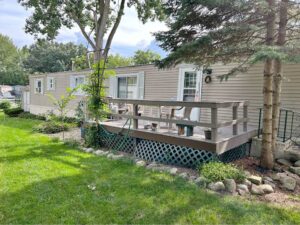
[(205, 32)]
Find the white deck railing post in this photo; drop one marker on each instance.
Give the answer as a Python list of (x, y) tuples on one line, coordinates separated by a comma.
[(214, 122), (135, 113), (245, 115), (234, 118)]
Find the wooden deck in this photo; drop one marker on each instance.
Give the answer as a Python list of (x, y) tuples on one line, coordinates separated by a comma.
[(225, 135), (225, 142)]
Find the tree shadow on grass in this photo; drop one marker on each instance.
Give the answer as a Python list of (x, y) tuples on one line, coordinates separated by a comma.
[(117, 192)]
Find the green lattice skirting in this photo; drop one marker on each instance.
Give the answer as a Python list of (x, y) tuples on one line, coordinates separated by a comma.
[(168, 153)]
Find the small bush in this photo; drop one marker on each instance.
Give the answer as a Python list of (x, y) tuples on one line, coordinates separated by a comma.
[(92, 137), (27, 115), (13, 112), (52, 127), (218, 171), (5, 105)]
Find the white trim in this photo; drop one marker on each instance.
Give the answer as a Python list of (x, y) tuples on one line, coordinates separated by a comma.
[(127, 75), (48, 84), (73, 85), (36, 80), (182, 70)]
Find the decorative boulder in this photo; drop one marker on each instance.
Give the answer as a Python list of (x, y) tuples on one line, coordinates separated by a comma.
[(267, 188), (255, 179), (230, 185), (288, 183), (99, 152), (173, 171), (295, 170), (284, 162), (247, 183), (243, 187), (217, 186), (201, 182), (297, 163), (183, 175), (257, 190), (140, 163)]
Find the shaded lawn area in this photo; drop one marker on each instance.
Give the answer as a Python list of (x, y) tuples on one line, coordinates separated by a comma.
[(46, 182)]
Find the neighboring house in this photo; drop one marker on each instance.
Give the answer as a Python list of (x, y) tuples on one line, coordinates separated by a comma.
[(183, 82), (6, 92)]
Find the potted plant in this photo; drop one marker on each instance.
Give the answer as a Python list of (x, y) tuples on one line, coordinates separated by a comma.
[(207, 133)]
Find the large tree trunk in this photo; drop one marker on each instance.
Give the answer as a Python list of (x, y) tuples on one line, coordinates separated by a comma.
[(278, 71), (267, 160)]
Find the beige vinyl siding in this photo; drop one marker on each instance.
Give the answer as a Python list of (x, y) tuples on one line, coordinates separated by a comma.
[(248, 86), (159, 84), (62, 81)]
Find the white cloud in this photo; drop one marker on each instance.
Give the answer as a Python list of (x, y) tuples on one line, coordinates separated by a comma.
[(131, 32)]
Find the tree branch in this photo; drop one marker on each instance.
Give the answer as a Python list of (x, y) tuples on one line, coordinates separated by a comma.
[(115, 27)]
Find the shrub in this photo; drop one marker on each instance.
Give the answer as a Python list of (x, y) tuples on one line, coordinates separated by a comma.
[(5, 105), (13, 112), (218, 171), (72, 143), (52, 127), (27, 115), (92, 136)]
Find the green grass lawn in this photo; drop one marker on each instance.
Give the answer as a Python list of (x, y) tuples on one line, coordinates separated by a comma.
[(46, 182)]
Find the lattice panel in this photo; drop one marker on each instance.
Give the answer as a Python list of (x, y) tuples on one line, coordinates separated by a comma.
[(168, 153), (235, 153), (117, 141), (171, 154)]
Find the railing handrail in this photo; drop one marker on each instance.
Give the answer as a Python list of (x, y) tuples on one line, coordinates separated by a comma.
[(202, 104), (214, 106)]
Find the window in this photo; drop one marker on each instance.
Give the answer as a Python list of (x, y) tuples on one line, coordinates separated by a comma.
[(50, 83), (75, 82), (127, 87), (38, 87), (189, 87), (79, 80)]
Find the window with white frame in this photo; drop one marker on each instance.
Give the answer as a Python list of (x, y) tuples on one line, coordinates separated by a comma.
[(189, 85), (76, 82), (50, 83), (38, 86), (127, 87)]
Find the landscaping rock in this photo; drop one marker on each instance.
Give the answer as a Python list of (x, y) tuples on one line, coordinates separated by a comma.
[(288, 183), (297, 164), (217, 186), (201, 182), (255, 179), (183, 175), (140, 163), (284, 162), (242, 192), (295, 170), (243, 187), (173, 171), (99, 152), (152, 165), (109, 156), (278, 176), (269, 181), (267, 188), (272, 184), (278, 169), (116, 157), (230, 185), (257, 190), (247, 183)]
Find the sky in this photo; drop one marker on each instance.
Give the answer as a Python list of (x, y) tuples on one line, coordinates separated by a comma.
[(131, 35)]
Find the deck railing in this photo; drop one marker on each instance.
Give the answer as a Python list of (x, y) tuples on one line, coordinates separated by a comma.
[(214, 124)]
